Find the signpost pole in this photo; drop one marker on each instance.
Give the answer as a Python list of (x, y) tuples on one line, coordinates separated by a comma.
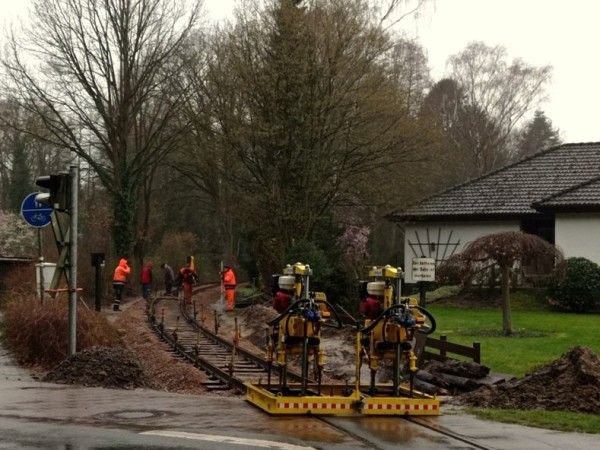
[(41, 259), (74, 171), (422, 292), (38, 216)]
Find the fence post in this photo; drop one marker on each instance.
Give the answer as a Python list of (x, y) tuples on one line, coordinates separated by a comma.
[(477, 348), (443, 351)]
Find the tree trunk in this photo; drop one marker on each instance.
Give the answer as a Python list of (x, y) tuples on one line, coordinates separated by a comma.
[(123, 216), (505, 281)]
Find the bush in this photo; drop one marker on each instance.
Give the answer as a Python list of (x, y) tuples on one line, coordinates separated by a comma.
[(37, 334), (17, 282), (579, 290)]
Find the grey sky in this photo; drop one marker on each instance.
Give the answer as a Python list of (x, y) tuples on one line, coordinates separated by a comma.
[(562, 34)]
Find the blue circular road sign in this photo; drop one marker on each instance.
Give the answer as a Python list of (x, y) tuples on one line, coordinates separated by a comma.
[(35, 214)]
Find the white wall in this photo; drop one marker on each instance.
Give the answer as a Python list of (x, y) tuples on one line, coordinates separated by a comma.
[(448, 239), (578, 235)]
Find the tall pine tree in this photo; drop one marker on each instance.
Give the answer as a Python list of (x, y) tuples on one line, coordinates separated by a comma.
[(537, 135)]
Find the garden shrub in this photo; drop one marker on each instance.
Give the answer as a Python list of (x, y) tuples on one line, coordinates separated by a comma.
[(579, 290)]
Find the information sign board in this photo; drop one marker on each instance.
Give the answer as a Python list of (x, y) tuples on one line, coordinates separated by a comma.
[(423, 269)]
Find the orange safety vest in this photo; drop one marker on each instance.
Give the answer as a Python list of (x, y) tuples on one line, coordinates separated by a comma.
[(229, 279)]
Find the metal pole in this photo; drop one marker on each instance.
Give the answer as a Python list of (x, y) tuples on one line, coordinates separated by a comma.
[(422, 293), (221, 306), (41, 260), (98, 300), (74, 171)]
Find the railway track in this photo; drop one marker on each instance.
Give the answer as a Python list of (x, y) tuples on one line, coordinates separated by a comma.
[(227, 365)]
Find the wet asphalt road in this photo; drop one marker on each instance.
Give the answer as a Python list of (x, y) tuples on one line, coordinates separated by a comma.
[(35, 415)]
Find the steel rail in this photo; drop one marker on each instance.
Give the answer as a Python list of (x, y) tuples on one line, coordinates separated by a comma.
[(430, 425), (225, 376)]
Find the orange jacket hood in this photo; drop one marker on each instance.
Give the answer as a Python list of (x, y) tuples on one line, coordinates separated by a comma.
[(122, 271)]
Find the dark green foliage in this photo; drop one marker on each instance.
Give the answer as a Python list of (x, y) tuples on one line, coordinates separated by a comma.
[(538, 134), (328, 276), (579, 291), (309, 253)]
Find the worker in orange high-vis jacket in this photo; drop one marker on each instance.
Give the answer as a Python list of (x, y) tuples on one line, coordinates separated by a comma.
[(122, 271), (186, 278), (228, 277)]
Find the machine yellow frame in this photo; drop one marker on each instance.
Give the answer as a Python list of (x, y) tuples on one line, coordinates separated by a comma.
[(356, 403), (317, 398)]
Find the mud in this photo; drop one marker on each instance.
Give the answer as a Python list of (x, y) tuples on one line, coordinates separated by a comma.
[(570, 383)]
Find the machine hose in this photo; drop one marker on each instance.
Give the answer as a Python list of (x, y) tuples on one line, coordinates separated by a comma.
[(296, 306), (387, 313)]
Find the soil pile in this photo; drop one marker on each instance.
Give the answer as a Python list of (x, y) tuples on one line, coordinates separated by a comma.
[(570, 383), (253, 322), (102, 366)]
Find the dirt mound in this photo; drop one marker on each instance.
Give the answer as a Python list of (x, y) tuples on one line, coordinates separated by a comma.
[(253, 321), (570, 383), (101, 366)]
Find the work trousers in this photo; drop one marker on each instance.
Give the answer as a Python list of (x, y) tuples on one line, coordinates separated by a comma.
[(230, 295)]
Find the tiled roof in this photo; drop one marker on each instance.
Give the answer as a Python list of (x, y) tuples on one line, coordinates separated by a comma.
[(516, 190), (583, 197)]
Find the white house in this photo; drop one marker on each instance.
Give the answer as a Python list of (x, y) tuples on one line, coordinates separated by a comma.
[(554, 194)]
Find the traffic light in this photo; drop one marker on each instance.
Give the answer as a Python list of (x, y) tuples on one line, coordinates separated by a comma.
[(59, 197)]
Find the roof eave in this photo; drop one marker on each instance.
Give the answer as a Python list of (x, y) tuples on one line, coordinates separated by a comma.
[(408, 218)]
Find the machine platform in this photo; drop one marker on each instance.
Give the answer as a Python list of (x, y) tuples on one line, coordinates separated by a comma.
[(340, 399)]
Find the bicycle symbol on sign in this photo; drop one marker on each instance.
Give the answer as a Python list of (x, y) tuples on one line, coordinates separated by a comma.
[(38, 218)]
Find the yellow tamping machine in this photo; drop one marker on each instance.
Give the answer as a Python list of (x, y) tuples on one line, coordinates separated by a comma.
[(385, 335), (389, 328)]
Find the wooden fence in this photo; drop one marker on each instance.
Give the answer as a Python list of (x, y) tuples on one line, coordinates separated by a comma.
[(428, 348)]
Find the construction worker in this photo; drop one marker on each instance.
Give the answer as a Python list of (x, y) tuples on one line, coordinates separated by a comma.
[(228, 278), (122, 271), (146, 280), (187, 278), (169, 278)]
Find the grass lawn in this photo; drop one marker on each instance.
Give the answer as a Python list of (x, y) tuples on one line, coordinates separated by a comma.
[(539, 337), (551, 420)]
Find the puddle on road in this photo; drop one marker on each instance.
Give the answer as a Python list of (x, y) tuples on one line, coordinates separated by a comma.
[(132, 414)]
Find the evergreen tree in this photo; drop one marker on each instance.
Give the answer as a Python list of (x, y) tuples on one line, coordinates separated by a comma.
[(537, 135)]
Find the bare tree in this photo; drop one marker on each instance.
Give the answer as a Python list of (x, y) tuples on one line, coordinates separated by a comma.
[(304, 110), (409, 70), (98, 75), (505, 250), (495, 97)]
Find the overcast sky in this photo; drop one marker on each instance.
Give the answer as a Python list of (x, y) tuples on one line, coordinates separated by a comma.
[(560, 33), (563, 34)]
